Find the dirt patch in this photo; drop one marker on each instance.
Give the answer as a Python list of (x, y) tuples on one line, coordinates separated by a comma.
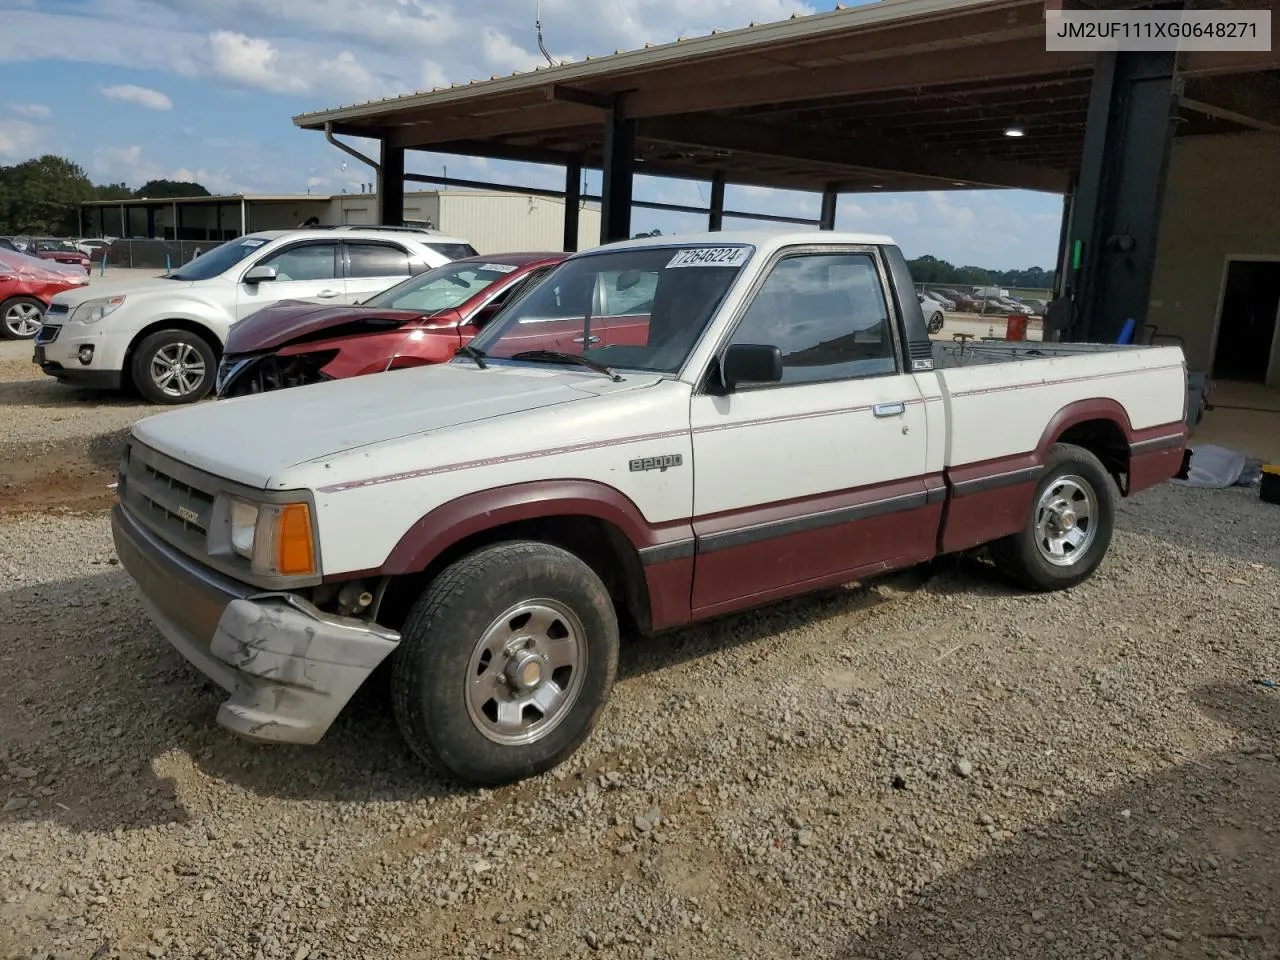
[(68, 475)]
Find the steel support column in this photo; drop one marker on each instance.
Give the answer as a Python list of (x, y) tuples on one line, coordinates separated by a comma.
[(715, 219), (572, 204), (390, 184), (1115, 221), (827, 219), (1064, 235), (619, 167)]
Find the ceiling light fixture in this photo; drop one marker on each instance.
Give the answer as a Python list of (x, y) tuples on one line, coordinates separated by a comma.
[(1015, 132)]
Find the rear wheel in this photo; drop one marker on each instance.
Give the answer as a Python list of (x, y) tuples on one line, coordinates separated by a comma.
[(935, 322), (505, 662), (20, 318), (1069, 525), (173, 366)]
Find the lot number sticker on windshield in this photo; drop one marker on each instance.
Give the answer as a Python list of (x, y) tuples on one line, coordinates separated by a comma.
[(497, 267), (711, 257), (252, 243)]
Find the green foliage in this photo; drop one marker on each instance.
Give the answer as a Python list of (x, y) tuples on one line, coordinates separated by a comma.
[(166, 189), (40, 196), (112, 191), (929, 269)]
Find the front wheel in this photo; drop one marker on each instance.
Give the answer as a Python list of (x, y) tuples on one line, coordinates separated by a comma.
[(505, 662), (20, 318), (173, 366), (935, 322), (1069, 525)]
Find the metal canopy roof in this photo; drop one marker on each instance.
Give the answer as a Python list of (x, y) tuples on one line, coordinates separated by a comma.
[(895, 95)]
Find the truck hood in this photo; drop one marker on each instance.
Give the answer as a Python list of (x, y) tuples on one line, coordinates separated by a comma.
[(282, 322), (252, 439)]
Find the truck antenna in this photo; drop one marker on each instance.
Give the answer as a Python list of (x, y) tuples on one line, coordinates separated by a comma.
[(537, 26)]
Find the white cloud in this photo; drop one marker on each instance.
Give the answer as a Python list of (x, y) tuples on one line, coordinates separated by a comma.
[(251, 61), (37, 111), (505, 56), (20, 140), (142, 96)]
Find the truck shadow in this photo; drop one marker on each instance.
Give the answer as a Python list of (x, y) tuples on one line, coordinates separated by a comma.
[(48, 393), (1178, 864)]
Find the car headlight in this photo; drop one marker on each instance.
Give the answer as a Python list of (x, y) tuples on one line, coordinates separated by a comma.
[(277, 538), (91, 311)]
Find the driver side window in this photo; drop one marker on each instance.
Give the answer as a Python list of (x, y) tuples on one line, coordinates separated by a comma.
[(827, 315), (307, 261)]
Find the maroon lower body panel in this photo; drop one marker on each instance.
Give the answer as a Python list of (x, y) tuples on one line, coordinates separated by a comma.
[(753, 556), (1155, 455), (987, 501)]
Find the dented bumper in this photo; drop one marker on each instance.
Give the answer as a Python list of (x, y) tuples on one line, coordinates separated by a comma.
[(289, 668)]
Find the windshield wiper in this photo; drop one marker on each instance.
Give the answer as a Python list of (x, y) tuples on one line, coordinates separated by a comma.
[(557, 356), (475, 353)]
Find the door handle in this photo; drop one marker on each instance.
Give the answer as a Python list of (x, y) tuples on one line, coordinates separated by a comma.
[(327, 294), (591, 339), (889, 409)]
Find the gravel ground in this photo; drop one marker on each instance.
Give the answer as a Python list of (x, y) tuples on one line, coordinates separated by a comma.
[(928, 766)]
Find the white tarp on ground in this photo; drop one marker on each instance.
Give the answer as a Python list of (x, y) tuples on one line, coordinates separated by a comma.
[(1217, 467)]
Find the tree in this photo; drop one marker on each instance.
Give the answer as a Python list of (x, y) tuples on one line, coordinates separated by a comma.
[(112, 191), (40, 196), (165, 189)]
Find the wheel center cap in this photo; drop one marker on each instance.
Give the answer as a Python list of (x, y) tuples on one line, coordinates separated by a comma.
[(1068, 520), (525, 670)]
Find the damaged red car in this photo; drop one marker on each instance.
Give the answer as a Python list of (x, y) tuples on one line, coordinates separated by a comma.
[(422, 320), (27, 285)]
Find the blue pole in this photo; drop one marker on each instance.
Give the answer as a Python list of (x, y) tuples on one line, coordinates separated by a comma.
[(103, 271), (168, 267)]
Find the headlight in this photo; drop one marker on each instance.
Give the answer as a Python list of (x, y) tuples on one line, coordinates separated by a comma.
[(277, 538), (91, 311)]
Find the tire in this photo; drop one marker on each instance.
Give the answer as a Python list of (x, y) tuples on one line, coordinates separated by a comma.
[(17, 314), (1072, 476), (451, 671), (935, 322), (173, 346)]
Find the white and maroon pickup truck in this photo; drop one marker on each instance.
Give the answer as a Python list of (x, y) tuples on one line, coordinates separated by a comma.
[(658, 432)]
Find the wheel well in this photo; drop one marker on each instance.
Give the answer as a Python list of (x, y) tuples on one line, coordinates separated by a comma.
[(1105, 439), (191, 326), (597, 543)]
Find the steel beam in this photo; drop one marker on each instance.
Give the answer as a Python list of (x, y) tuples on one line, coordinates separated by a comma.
[(827, 219), (619, 176), (1116, 211), (572, 204), (390, 184), (715, 220)]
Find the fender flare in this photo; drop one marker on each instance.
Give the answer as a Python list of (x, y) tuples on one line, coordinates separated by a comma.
[(474, 513)]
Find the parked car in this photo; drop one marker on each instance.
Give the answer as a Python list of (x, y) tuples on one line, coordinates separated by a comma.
[(933, 312), (945, 302), (424, 319), (486, 524), (965, 302), (1036, 306), (59, 251), (7, 244), (27, 285), (164, 335), (92, 248)]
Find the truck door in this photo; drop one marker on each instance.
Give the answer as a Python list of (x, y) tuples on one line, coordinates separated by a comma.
[(818, 479)]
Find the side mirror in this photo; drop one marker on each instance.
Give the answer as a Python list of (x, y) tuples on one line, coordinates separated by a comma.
[(260, 274), (751, 363)]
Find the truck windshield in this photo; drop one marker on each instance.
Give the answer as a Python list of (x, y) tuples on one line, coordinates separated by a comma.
[(442, 288), (218, 259), (643, 308)]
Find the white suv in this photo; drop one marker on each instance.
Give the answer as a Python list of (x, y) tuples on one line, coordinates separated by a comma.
[(164, 334)]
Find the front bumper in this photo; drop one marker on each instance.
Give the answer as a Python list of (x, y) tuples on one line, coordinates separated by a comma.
[(57, 353), (290, 668)]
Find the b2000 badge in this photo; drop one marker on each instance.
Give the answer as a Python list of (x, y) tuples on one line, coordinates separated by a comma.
[(187, 514), (657, 463)]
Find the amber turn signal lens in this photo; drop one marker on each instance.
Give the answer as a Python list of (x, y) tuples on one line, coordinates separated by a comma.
[(295, 553)]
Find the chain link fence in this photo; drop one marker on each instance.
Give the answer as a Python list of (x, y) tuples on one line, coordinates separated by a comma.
[(149, 254), (970, 299)]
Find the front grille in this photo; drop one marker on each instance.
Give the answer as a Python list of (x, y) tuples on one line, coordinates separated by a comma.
[(172, 499), (48, 332), (248, 374)]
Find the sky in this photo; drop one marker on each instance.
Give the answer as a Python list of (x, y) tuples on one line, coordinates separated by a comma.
[(205, 90)]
